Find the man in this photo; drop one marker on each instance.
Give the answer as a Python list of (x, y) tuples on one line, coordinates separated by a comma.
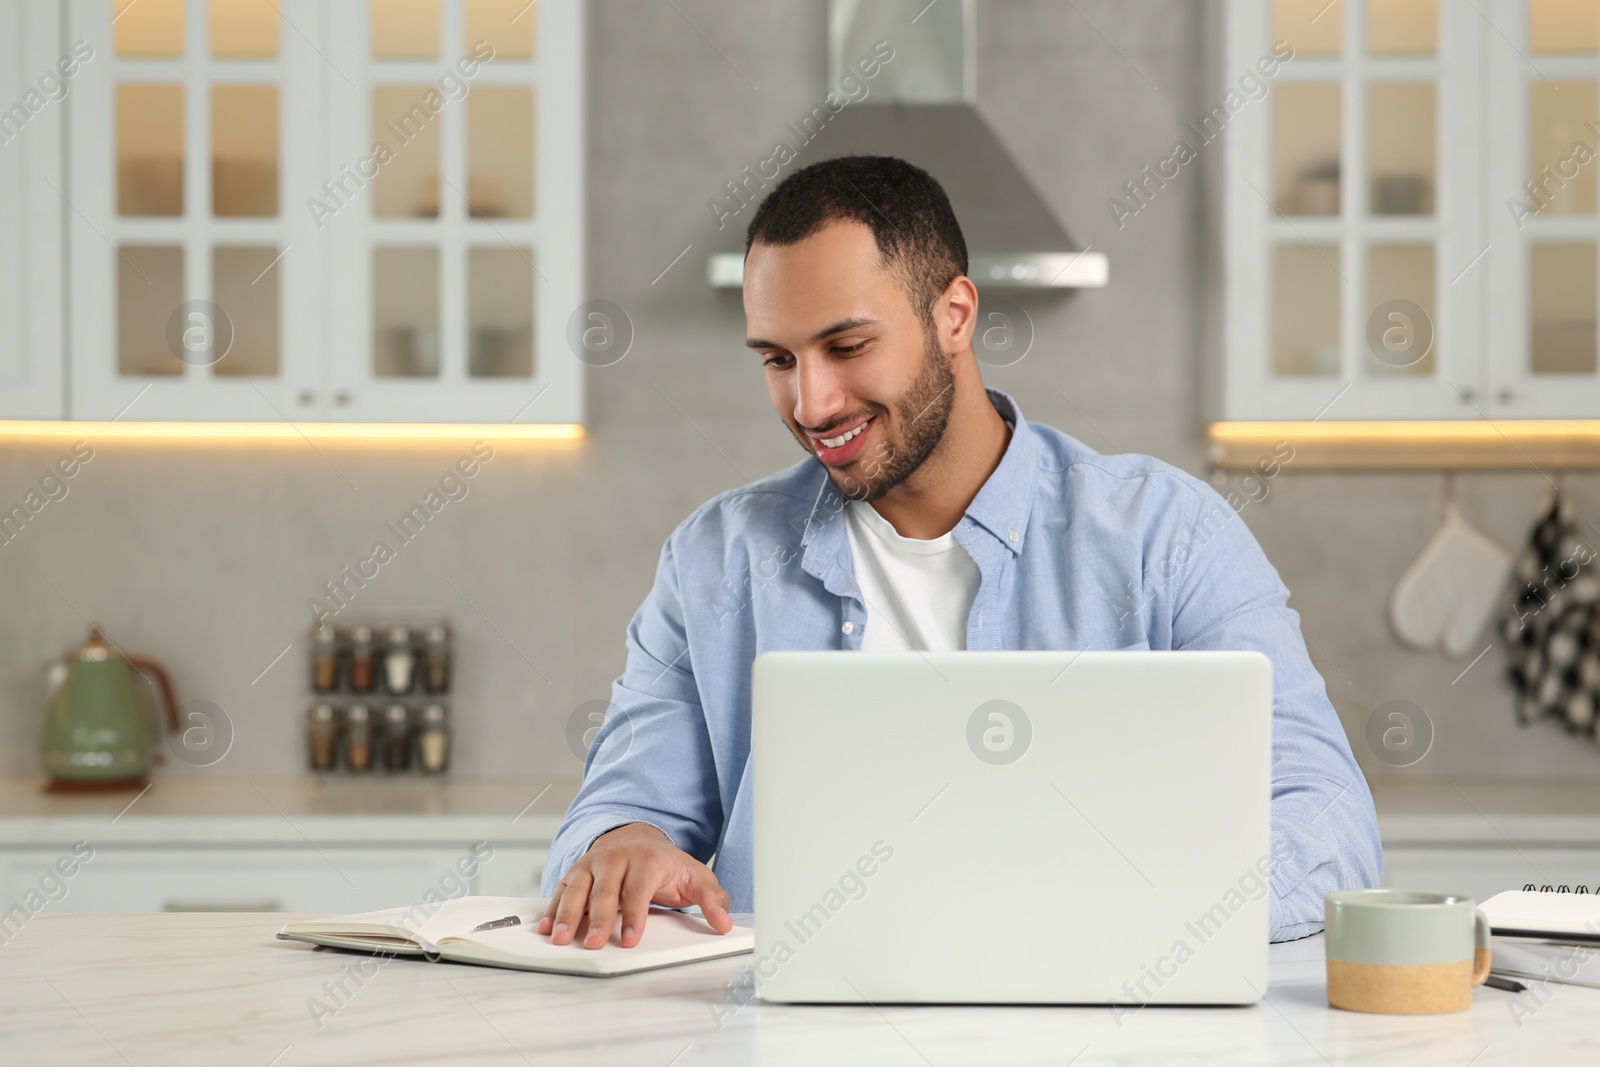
[(928, 515)]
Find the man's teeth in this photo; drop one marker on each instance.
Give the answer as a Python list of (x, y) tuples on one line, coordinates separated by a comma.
[(835, 442)]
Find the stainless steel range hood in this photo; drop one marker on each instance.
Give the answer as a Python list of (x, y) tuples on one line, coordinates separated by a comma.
[(921, 106)]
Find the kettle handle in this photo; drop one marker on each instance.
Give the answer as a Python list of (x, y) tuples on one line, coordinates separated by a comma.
[(145, 664)]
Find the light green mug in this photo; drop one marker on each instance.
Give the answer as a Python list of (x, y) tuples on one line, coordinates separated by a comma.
[(1404, 951)]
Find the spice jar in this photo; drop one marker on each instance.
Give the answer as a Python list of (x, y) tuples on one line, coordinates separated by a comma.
[(436, 659), (324, 659), (396, 738), (433, 739), (399, 661), (322, 731), (358, 737), (361, 664)]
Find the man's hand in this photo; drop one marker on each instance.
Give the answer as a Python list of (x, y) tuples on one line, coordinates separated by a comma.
[(637, 865)]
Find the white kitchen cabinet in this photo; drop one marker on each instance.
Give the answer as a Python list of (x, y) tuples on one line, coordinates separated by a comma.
[(33, 58), (327, 877), (196, 287), (1543, 97), (292, 844), (455, 271), (1376, 265), (241, 250)]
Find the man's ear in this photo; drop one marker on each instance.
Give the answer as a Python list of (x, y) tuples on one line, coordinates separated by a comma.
[(956, 314)]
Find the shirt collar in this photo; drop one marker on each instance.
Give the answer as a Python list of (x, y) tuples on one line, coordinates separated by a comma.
[(1005, 502), (1002, 506)]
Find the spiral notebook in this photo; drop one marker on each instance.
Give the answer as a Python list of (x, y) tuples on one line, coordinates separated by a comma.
[(1546, 934), (1568, 914)]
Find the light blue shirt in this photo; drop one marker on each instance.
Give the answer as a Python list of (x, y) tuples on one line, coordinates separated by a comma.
[(1077, 551)]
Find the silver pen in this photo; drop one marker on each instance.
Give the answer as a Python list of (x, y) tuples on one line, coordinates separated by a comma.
[(493, 924)]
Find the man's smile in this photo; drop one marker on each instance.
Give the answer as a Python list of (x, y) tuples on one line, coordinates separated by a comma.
[(843, 447)]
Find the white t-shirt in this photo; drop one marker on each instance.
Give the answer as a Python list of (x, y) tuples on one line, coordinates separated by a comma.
[(918, 593)]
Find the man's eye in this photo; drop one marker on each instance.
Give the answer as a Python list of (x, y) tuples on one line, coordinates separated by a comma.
[(850, 348), (773, 361)]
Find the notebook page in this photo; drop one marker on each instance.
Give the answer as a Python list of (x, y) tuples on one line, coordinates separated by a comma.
[(426, 923), (669, 937)]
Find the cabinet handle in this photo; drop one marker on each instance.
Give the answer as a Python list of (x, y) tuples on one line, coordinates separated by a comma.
[(261, 904), (306, 398), (1468, 394), (1504, 395), (342, 398)]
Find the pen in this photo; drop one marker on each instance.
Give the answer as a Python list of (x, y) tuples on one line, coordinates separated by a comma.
[(1494, 981), (493, 924)]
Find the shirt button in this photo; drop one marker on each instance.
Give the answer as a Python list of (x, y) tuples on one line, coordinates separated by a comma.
[(848, 628), (1015, 537)]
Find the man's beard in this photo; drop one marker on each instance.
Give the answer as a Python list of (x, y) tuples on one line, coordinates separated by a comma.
[(921, 415)]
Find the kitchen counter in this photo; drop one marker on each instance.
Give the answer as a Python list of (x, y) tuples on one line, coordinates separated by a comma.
[(210, 989), (352, 845), (202, 811), (1473, 813), (292, 812), (282, 845)]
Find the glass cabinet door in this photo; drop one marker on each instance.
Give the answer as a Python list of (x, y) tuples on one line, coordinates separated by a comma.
[(1546, 226), (1354, 209), (453, 210), (189, 145)]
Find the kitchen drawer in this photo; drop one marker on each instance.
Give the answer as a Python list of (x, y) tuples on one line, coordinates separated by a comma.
[(329, 878)]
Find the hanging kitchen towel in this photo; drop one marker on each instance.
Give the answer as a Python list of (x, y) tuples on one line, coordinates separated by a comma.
[(1452, 590), (1553, 629)]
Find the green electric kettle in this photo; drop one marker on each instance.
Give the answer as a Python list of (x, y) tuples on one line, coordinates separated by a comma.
[(98, 733)]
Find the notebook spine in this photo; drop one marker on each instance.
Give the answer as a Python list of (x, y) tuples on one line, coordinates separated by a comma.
[(1562, 888)]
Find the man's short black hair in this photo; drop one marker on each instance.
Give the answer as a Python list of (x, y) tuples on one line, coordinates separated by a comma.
[(906, 209)]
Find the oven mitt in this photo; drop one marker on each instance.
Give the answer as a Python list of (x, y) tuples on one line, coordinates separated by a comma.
[(1450, 592)]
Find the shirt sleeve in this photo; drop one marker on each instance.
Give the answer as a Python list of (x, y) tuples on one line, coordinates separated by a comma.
[(1324, 827), (651, 760)]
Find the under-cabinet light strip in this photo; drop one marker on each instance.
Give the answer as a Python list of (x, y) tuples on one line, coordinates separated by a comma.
[(268, 431), (1419, 445)]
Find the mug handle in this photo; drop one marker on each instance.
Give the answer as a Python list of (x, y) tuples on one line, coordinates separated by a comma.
[(1480, 955)]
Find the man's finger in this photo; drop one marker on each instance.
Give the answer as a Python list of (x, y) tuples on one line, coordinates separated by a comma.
[(713, 900), (572, 906), (637, 889), (549, 919), (603, 902)]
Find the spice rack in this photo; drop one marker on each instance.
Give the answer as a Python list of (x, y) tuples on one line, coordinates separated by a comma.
[(380, 695)]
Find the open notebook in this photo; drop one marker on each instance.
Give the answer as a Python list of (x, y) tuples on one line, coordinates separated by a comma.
[(446, 932)]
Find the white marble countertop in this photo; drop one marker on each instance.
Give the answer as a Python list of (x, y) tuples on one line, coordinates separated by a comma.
[(218, 988), (180, 811)]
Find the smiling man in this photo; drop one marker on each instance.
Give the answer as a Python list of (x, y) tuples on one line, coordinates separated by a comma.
[(928, 515)]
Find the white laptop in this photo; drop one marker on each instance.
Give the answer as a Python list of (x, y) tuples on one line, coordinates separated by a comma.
[(1012, 827)]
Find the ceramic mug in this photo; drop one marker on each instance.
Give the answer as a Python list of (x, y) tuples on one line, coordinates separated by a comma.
[(1404, 951)]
